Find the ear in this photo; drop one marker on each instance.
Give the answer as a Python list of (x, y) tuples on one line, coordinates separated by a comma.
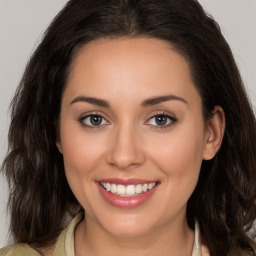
[(215, 128), (58, 141)]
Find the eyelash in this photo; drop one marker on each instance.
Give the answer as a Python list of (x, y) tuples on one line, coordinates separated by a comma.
[(82, 121), (172, 120)]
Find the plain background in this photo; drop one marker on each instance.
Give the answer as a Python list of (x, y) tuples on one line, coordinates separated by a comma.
[(22, 23)]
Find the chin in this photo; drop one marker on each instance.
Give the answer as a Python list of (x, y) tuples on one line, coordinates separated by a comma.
[(130, 232), (127, 227)]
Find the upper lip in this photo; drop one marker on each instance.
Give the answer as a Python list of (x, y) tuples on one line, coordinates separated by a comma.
[(132, 181)]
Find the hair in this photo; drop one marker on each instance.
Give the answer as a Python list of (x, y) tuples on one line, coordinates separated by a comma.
[(40, 199)]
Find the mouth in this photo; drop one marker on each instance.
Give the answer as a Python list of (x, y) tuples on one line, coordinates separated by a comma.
[(127, 190), (127, 193)]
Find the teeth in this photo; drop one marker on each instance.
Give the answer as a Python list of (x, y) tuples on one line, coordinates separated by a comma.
[(150, 185), (107, 186), (129, 190), (113, 188), (138, 189), (120, 189), (145, 187)]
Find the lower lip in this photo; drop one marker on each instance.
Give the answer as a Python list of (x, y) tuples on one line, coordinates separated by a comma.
[(126, 202)]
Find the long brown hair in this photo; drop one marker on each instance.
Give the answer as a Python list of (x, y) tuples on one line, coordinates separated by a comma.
[(40, 199)]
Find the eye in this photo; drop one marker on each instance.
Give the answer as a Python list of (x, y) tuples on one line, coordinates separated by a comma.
[(161, 120), (93, 120)]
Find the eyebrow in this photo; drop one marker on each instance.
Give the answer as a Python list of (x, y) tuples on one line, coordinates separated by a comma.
[(145, 103), (160, 99), (91, 100)]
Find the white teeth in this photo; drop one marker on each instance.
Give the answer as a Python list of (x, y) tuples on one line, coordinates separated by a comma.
[(120, 189), (151, 185), (107, 186), (145, 187), (129, 190), (113, 188), (138, 189)]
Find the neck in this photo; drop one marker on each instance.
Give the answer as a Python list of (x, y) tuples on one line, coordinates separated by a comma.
[(173, 238)]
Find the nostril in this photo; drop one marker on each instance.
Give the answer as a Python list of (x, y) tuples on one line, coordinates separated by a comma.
[(125, 160)]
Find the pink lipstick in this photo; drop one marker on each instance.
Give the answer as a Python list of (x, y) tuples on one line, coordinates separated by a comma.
[(127, 193)]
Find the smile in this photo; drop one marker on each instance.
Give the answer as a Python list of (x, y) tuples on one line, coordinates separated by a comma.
[(127, 193), (128, 190)]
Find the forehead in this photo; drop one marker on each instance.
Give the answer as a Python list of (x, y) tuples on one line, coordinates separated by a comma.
[(130, 66)]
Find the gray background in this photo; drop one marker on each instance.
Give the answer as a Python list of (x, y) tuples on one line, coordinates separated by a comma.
[(22, 23)]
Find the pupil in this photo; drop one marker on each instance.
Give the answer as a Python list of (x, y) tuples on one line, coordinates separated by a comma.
[(161, 120), (96, 120)]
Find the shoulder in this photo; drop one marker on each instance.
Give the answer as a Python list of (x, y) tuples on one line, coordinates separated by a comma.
[(64, 245), (18, 250)]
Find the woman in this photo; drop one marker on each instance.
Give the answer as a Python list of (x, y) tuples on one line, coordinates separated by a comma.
[(132, 119)]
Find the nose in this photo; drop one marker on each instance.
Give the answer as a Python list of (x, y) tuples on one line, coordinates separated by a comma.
[(125, 149)]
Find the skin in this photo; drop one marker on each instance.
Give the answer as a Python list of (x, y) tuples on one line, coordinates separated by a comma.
[(128, 143)]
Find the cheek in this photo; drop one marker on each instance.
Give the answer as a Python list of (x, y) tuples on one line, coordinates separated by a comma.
[(82, 153), (80, 150), (179, 154), (179, 158)]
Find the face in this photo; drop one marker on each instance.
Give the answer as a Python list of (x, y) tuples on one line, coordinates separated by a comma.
[(132, 135)]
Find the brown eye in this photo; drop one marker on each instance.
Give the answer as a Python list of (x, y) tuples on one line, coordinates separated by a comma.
[(93, 121), (161, 120)]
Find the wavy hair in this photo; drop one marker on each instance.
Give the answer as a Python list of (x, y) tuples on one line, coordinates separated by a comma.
[(40, 198)]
